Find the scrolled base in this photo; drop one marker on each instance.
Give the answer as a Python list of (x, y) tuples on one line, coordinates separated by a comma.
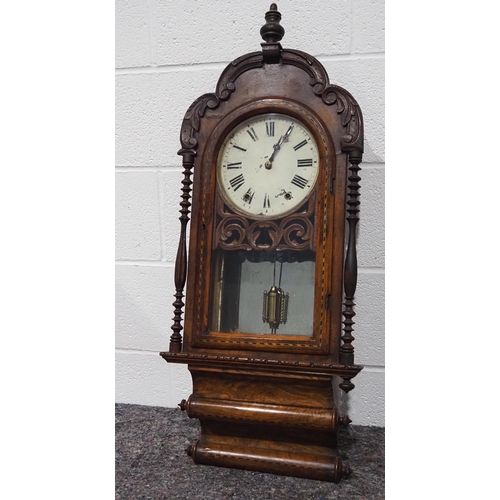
[(323, 468)]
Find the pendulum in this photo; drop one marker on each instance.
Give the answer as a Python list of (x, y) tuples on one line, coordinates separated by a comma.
[(275, 303)]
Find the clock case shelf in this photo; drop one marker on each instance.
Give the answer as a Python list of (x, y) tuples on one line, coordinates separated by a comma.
[(267, 402)]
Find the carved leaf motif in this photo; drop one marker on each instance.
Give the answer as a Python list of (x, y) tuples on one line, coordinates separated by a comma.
[(225, 87), (347, 107), (198, 109), (329, 96)]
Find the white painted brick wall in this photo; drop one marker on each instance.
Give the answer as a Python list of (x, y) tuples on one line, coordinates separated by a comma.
[(168, 53)]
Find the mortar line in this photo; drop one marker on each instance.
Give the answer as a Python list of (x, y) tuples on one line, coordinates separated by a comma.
[(216, 65), (171, 68), (144, 263), (126, 350), (176, 168), (159, 168), (371, 270), (165, 263), (374, 165), (374, 368)]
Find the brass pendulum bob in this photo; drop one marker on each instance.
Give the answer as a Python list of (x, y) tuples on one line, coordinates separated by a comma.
[(275, 304)]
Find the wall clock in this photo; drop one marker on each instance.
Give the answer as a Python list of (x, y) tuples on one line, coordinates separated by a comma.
[(273, 159)]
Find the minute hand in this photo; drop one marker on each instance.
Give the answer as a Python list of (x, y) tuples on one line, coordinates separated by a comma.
[(283, 139)]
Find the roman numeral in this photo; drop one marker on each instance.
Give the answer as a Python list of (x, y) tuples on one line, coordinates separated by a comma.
[(252, 134), (237, 147), (304, 163), (267, 203), (299, 181), (237, 182), (300, 144), (235, 165), (270, 129)]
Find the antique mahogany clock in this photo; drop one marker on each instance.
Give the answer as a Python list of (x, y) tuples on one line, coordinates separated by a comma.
[(271, 269)]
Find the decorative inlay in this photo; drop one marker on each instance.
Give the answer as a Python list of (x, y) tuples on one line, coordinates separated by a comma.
[(340, 369)]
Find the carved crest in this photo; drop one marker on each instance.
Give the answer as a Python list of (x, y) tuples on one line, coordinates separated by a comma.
[(346, 106)]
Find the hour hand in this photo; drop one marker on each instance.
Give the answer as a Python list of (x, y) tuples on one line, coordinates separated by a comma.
[(276, 148)]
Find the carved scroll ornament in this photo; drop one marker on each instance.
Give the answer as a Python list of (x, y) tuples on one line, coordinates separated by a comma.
[(347, 107), (237, 232), (225, 87)]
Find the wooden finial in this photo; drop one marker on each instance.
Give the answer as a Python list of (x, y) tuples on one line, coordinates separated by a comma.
[(346, 470), (344, 421), (272, 31), (341, 469)]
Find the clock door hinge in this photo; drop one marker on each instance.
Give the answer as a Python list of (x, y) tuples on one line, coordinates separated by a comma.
[(328, 301), (332, 178)]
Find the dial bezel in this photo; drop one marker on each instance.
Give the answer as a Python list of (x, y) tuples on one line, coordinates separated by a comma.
[(223, 147)]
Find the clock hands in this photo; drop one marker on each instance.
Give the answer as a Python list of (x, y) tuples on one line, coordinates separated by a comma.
[(241, 165), (277, 147)]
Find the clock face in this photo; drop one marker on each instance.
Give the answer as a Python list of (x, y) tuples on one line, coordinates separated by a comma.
[(268, 165)]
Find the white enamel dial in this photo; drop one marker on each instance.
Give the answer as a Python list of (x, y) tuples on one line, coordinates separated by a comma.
[(268, 165)]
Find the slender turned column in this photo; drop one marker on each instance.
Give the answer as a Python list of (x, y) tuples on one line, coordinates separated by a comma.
[(351, 265), (181, 260)]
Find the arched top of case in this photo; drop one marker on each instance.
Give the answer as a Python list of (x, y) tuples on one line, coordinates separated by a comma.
[(339, 99)]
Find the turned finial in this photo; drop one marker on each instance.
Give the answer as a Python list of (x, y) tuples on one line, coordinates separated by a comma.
[(272, 31), (346, 470), (344, 421)]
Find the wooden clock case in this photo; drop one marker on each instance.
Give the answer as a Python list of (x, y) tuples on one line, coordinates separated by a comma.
[(267, 402)]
